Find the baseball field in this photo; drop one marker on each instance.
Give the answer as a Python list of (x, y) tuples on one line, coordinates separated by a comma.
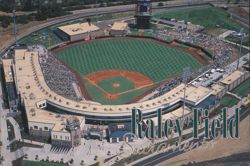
[(117, 70)]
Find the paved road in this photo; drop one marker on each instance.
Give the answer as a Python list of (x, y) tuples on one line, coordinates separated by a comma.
[(157, 159)]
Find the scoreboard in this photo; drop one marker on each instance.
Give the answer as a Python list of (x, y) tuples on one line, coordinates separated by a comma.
[(143, 8), (143, 13)]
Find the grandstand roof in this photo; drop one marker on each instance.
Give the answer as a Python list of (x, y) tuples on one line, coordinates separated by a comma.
[(198, 94), (31, 93), (120, 26), (7, 70), (217, 88), (232, 77), (78, 28)]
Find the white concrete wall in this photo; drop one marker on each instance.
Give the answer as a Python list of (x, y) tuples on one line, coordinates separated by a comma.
[(79, 37), (63, 135), (118, 32), (40, 125)]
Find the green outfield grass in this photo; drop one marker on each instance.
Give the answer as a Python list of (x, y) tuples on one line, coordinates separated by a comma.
[(244, 89), (40, 163), (206, 16), (124, 84), (144, 56), (147, 57)]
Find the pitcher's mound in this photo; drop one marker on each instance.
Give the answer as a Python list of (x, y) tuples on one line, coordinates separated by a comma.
[(115, 85)]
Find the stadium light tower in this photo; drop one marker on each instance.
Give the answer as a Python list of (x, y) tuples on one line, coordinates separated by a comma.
[(96, 9), (241, 40), (185, 78), (15, 33)]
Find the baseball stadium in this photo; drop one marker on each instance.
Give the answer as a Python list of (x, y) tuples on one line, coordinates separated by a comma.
[(103, 69), (99, 71), (123, 70)]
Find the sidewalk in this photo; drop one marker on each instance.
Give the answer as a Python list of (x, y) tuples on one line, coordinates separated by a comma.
[(4, 135)]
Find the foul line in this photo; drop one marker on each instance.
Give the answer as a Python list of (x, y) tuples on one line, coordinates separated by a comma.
[(105, 92)]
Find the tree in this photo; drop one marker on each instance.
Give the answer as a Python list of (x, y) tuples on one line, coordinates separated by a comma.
[(160, 4), (124, 2), (40, 16), (28, 5), (107, 2), (49, 11), (7, 5), (5, 21), (23, 19)]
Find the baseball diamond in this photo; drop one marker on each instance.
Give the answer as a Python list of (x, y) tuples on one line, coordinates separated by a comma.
[(117, 70), (116, 84)]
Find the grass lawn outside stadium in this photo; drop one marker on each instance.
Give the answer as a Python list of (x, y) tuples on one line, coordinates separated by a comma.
[(207, 16), (44, 36), (154, 60), (243, 89), (40, 163)]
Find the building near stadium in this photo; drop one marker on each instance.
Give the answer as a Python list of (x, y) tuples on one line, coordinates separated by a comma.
[(79, 31), (218, 90), (9, 84), (119, 29), (64, 130), (234, 79)]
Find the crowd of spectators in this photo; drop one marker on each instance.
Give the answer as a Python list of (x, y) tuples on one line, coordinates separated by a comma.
[(221, 51), (58, 77), (166, 87)]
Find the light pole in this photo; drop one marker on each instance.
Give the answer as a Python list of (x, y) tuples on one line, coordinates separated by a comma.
[(185, 77), (96, 11), (14, 18), (241, 40)]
